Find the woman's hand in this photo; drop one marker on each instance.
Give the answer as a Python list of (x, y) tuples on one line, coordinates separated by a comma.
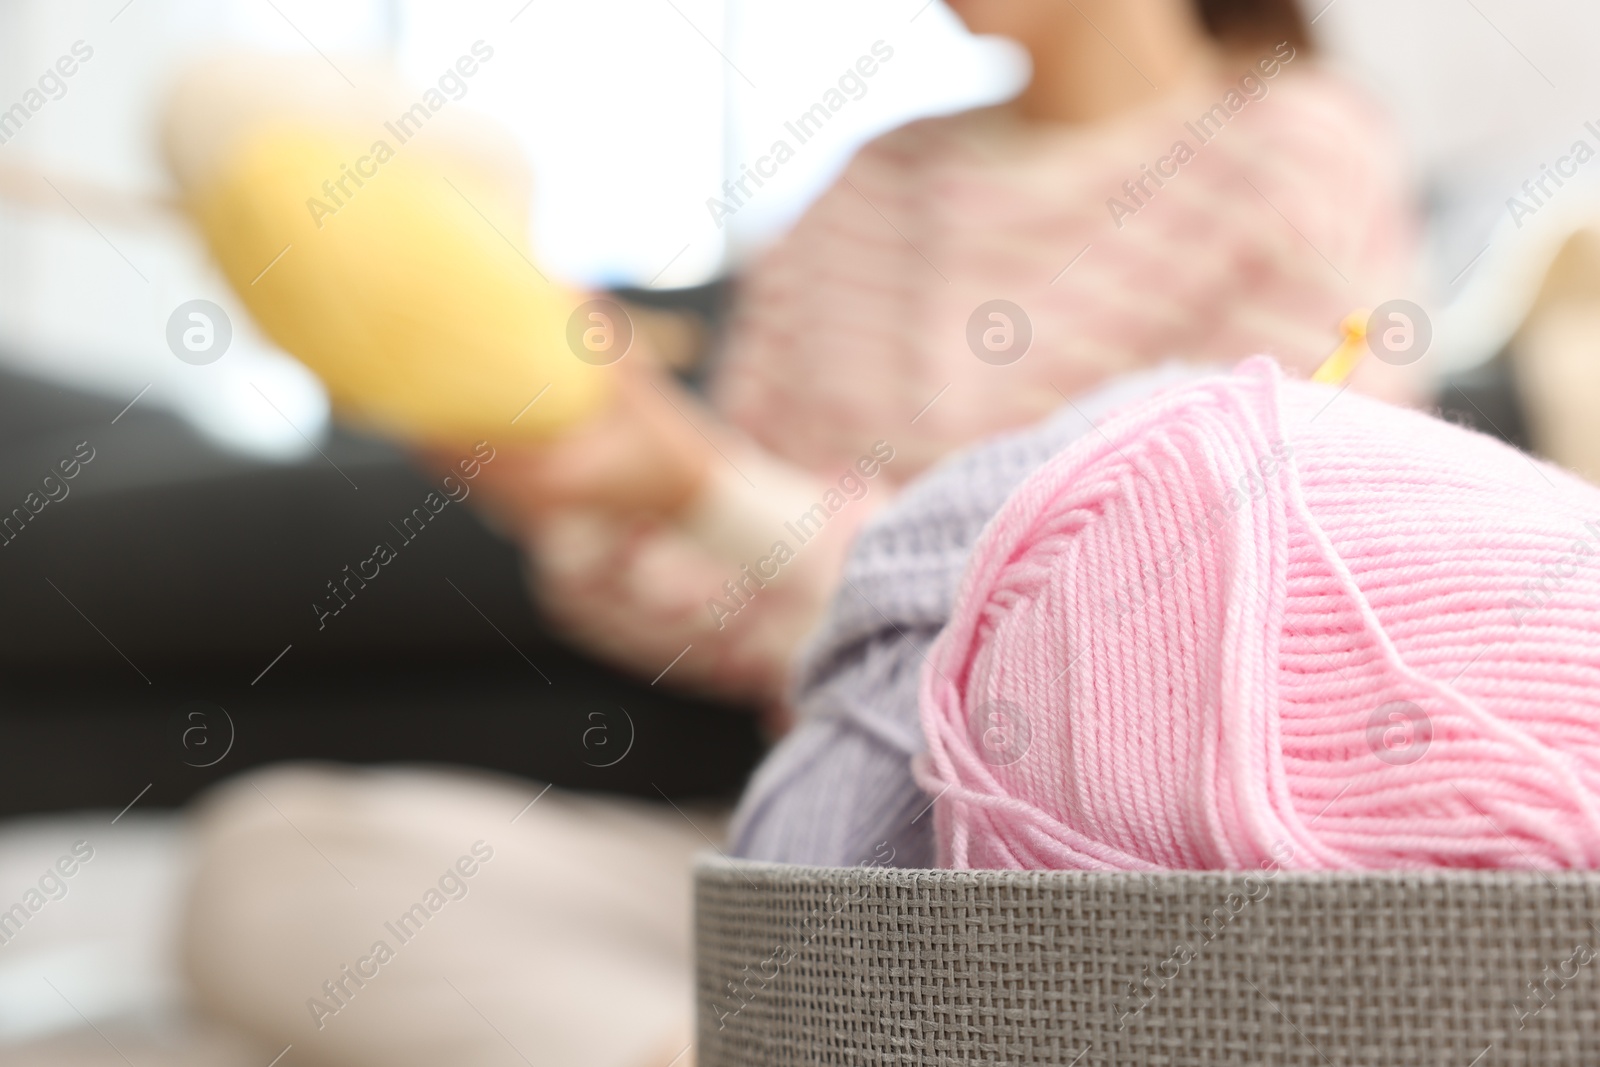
[(706, 599), (641, 457)]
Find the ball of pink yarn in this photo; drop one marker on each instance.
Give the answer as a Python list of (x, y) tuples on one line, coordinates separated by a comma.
[(1255, 622)]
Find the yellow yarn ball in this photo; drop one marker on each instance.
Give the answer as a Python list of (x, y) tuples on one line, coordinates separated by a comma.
[(403, 284)]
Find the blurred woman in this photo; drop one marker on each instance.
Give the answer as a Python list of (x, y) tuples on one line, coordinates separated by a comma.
[(1180, 180)]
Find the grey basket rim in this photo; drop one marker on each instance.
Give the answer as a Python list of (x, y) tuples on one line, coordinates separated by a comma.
[(719, 865)]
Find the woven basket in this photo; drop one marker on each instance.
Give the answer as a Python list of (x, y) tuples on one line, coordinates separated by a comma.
[(801, 965)]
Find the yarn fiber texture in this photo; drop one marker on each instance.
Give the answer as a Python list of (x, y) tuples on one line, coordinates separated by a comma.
[(1256, 622), (838, 790)]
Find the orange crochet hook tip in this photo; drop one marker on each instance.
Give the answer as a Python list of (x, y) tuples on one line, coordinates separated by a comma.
[(1338, 367)]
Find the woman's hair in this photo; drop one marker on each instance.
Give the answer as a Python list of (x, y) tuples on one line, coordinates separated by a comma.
[(1254, 23)]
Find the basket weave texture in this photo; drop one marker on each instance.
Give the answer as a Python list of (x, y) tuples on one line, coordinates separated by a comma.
[(802, 965)]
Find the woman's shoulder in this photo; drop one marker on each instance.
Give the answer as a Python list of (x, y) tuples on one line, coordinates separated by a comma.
[(1314, 100), (1317, 131)]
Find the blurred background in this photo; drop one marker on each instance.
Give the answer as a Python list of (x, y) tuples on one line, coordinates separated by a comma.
[(172, 580)]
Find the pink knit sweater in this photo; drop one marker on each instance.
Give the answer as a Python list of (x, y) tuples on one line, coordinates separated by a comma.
[(1287, 212)]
